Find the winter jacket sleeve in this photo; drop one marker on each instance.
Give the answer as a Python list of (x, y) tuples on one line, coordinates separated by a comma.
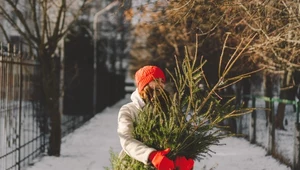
[(131, 146)]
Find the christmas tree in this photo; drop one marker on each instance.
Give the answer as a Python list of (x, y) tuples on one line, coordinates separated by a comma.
[(187, 120)]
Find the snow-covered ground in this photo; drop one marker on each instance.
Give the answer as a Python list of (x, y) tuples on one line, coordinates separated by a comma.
[(284, 139), (89, 147)]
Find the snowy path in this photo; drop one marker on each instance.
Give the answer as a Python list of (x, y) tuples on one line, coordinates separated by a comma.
[(88, 148)]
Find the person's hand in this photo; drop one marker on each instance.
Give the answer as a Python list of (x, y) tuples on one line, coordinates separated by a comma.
[(182, 163), (160, 161)]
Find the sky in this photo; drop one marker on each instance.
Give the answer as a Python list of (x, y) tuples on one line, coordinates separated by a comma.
[(89, 148)]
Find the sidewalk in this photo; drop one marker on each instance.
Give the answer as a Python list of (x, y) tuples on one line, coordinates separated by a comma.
[(88, 148)]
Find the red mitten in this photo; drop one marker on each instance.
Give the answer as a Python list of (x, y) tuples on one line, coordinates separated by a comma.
[(182, 163), (160, 161)]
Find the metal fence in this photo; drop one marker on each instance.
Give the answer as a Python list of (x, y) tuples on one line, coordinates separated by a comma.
[(22, 131), (259, 128), (24, 124)]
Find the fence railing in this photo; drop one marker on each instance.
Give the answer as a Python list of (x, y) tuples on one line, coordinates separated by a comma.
[(260, 128), (21, 114), (24, 124)]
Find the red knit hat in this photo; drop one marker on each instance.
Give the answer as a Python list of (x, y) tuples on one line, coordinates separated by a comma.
[(147, 74)]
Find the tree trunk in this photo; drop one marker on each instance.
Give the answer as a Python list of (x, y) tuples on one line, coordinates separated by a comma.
[(238, 94), (280, 116), (246, 91), (268, 93), (296, 76), (55, 132), (288, 94), (50, 77), (231, 122)]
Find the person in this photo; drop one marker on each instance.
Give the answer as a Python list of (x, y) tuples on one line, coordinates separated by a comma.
[(147, 79)]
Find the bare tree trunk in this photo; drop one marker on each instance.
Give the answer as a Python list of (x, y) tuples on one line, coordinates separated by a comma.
[(55, 132), (289, 94), (238, 94), (228, 93), (296, 76), (269, 84), (268, 93), (246, 91), (280, 116), (50, 77), (242, 99)]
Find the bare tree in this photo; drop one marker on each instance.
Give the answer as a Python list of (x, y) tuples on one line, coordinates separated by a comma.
[(277, 46), (175, 24), (42, 24)]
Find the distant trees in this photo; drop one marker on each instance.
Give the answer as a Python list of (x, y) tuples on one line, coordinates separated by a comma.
[(276, 47), (273, 24), (179, 23)]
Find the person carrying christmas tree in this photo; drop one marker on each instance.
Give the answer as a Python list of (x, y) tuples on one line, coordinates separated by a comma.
[(147, 79)]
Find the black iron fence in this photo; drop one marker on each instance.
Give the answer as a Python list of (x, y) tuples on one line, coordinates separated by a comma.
[(24, 124), (21, 114)]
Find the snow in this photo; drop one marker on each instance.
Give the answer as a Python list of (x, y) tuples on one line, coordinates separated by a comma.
[(89, 148)]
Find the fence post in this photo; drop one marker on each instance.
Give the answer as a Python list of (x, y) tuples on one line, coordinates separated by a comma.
[(296, 162), (252, 129), (20, 113), (271, 123)]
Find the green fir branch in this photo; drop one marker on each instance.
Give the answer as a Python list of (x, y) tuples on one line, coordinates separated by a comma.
[(187, 121)]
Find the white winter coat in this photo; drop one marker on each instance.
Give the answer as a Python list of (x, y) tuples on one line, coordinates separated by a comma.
[(131, 146)]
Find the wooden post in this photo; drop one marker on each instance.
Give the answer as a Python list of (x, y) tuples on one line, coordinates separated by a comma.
[(271, 143), (252, 129)]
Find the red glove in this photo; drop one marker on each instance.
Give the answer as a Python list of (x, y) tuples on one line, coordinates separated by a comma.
[(182, 163), (160, 161)]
